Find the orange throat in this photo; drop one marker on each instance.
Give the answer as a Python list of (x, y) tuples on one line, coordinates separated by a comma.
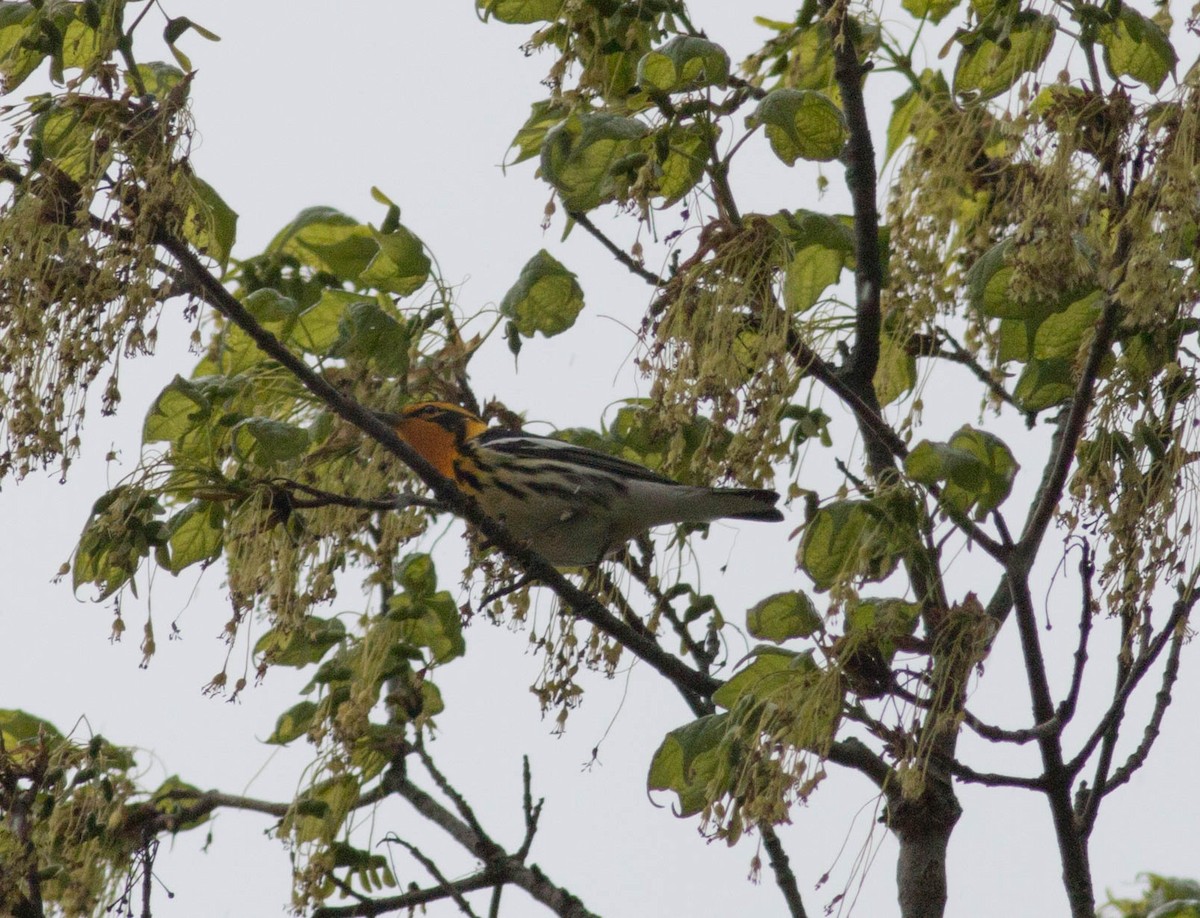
[(435, 444)]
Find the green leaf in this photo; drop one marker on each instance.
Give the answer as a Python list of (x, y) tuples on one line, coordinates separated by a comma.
[(17, 728), (417, 574), (320, 812), (318, 328), (326, 239), (977, 467), (801, 124), (123, 527), (990, 62), (1045, 383), (519, 12), (590, 159), (301, 645), (546, 297), (174, 796), (209, 224), (20, 53), (771, 670), (195, 535), (271, 308), (683, 166), (896, 372), (65, 137), (848, 539), (367, 333), (159, 77), (684, 63), (265, 441), (293, 723), (528, 142), (687, 760), (782, 617), (180, 408), (821, 247), (933, 10), (1062, 334), (430, 621), (400, 266), (882, 622), (1137, 47)]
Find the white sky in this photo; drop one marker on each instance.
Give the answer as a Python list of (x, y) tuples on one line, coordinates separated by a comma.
[(307, 103)]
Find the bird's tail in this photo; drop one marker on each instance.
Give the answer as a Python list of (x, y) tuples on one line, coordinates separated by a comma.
[(745, 504)]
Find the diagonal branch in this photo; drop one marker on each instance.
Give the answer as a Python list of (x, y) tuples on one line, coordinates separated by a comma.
[(206, 286), (615, 250), (782, 869), (1162, 701)]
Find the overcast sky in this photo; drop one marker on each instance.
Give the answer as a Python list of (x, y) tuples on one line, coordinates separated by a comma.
[(306, 103)]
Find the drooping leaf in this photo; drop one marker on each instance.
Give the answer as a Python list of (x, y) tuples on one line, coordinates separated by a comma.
[(686, 761), (782, 617), (848, 539), (684, 63), (801, 124), (592, 158), (1044, 383), (210, 224), (293, 723), (546, 298), (194, 535), (400, 266), (301, 645), (520, 12), (977, 468), (528, 141), (1136, 46), (933, 10), (367, 333), (990, 63), (179, 408), (265, 441), (683, 165), (430, 621), (327, 240)]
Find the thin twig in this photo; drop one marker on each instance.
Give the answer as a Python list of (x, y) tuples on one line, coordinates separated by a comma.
[(1066, 709), (615, 250), (425, 861), (1162, 701)]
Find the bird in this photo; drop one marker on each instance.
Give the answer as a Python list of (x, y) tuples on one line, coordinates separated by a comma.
[(570, 504)]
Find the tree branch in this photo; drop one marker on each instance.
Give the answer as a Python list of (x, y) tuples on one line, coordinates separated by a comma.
[(204, 285), (784, 876), (615, 250), (1162, 701), (1057, 777)]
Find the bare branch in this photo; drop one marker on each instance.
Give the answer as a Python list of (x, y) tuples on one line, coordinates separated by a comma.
[(784, 876), (855, 754), (1066, 709), (1162, 701), (425, 861), (615, 250), (409, 900), (1179, 614), (1016, 737), (969, 775), (1056, 777)]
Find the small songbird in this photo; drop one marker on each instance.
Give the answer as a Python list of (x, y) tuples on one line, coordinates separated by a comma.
[(570, 504)]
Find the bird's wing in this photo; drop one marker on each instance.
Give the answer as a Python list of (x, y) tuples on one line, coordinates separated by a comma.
[(535, 448)]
